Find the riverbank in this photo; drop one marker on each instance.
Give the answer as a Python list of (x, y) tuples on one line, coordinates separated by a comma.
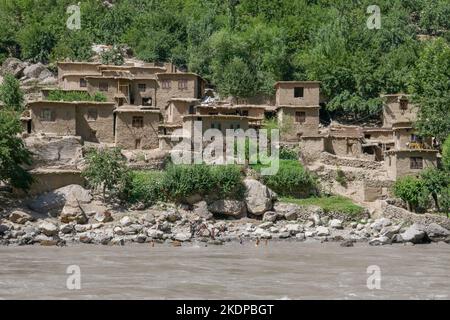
[(175, 225), (280, 270)]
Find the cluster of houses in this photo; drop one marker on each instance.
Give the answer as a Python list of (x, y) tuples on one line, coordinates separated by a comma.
[(146, 102)]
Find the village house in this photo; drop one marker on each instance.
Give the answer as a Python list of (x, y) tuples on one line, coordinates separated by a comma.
[(411, 153), (92, 121), (298, 108), (398, 108), (137, 127)]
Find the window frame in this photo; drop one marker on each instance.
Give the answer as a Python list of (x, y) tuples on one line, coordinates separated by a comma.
[(166, 84), (83, 83), (43, 115), (137, 122), (142, 87), (103, 86), (300, 116), (299, 92), (182, 84), (416, 163)]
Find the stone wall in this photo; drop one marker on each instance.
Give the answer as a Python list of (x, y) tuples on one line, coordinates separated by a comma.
[(334, 160), (397, 213)]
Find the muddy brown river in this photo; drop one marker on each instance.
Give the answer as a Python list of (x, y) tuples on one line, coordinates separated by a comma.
[(279, 270)]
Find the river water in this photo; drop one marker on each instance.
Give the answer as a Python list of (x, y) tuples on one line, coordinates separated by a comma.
[(278, 270)]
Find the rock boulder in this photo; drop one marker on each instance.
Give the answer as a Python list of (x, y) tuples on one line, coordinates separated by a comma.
[(258, 197)]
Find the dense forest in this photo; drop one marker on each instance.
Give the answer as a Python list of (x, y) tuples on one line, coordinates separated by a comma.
[(244, 46)]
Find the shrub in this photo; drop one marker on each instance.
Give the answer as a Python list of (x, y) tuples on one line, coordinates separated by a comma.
[(288, 154), (435, 183), (106, 169), (341, 178), (179, 182), (146, 187), (60, 95), (291, 180), (412, 190), (11, 94), (330, 204), (228, 181)]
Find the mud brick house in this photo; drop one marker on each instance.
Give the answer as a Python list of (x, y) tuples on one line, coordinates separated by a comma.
[(345, 141), (92, 121), (411, 153), (136, 127), (298, 107), (398, 108)]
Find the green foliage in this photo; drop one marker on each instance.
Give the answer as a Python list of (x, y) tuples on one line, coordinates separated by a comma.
[(446, 154), (329, 204), (431, 89), (179, 182), (341, 178), (288, 154), (106, 169), (411, 190), (13, 153), (146, 187), (61, 95), (113, 56), (291, 180), (244, 46), (11, 94), (436, 182)]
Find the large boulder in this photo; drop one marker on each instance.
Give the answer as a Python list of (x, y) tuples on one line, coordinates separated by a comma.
[(436, 233), (380, 224), (13, 66), (201, 209), (234, 208), (19, 217), (34, 70), (55, 151), (287, 210), (54, 202), (48, 228), (414, 234), (258, 197), (72, 211)]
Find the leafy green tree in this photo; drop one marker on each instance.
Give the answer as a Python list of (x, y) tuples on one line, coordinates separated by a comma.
[(435, 182), (446, 154), (36, 41), (411, 190), (11, 94), (106, 169), (431, 89), (13, 153)]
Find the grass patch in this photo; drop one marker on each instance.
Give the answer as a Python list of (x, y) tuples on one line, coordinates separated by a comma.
[(329, 204)]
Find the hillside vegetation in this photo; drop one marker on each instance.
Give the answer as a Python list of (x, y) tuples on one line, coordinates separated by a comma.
[(244, 46)]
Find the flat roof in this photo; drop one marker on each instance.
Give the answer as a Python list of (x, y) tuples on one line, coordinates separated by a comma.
[(297, 106), (222, 116), (412, 150), (79, 63), (79, 74), (74, 103), (394, 95), (296, 82), (184, 99), (132, 109), (370, 129)]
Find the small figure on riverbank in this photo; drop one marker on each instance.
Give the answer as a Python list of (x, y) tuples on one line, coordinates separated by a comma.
[(257, 242)]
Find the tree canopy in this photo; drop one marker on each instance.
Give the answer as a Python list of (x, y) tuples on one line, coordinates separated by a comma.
[(243, 46)]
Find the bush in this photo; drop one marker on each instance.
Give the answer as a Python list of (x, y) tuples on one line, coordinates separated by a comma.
[(179, 182), (291, 180), (446, 154), (412, 190), (340, 177), (146, 187), (288, 154), (106, 169), (60, 95), (330, 204)]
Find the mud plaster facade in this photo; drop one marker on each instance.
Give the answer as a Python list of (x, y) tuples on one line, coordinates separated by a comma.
[(93, 121), (398, 108), (137, 128), (399, 163)]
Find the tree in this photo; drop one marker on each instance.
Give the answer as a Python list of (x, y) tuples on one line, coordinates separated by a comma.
[(106, 169), (431, 89), (412, 191), (11, 94), (435, 182), (13, 153), (446, 154)]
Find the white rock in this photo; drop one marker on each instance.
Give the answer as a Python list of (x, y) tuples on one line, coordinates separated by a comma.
[(19, 217), (414, 234), (258, 197), (335, 224), (126, 221), (233, 208), (322, 231), (380, 224), (380, 241), (48, 228), (155, 234), (182, 236)]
